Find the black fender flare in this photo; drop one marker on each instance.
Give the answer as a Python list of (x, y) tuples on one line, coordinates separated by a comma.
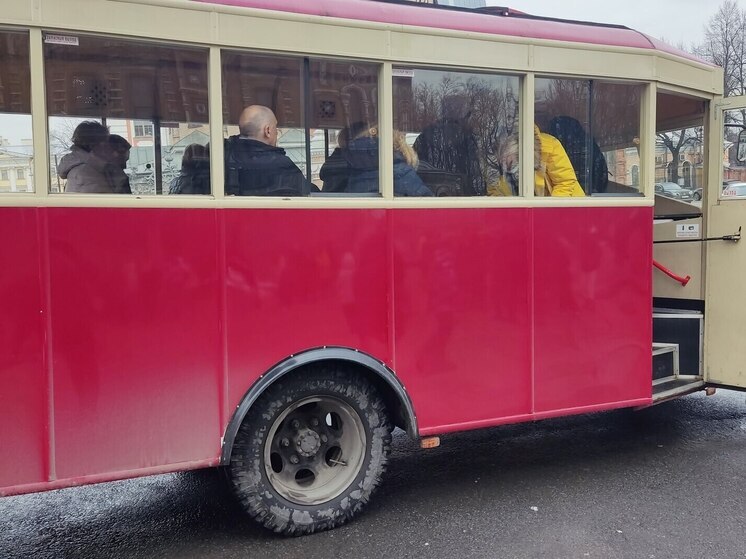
[(311, 356)]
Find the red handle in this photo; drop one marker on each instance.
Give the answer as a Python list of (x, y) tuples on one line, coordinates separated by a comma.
[(683, 281)]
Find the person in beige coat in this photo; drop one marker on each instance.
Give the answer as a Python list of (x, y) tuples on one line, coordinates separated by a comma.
[(87, 167)]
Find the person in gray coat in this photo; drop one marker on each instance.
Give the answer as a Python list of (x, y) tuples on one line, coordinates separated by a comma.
[(87, 167)]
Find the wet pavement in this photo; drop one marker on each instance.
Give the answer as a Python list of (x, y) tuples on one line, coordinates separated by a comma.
[(666, 482)]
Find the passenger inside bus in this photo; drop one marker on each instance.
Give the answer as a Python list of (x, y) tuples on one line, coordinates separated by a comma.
[(88, 168), (449, 145), (597, 123), (362, 157), (194, 177), (118, 156), (577, 143), (554, 174), (335, 172), (254, 165)]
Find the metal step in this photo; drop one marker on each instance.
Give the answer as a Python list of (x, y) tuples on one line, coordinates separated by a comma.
[(685, 329), (677, 353)]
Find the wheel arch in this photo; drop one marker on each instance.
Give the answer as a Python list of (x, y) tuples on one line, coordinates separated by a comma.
[(392, 390)]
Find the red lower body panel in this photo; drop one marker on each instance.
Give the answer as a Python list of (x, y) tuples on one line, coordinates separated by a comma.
[(130, 335)]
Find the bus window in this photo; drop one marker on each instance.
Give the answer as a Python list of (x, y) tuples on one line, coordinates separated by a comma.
[(458, 129), (265, 149), (597, 125), (679, 147), (16, 150), (343, 118), (126, 117), (323, 111), (615, 118)]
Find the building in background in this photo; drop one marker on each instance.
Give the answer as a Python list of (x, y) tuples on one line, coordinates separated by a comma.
[(16, 166)]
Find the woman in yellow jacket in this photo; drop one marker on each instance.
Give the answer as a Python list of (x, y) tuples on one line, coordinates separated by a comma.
[(553, 173)]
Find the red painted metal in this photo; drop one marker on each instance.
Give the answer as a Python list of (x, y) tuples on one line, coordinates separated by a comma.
[(23, 381), (497, 421), (299, 279), (422, 16), (161, 320), (462, 321), (109, 476), (136, 348), (593, 327)]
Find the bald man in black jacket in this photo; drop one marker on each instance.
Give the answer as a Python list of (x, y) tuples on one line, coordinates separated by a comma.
[(254, 165)]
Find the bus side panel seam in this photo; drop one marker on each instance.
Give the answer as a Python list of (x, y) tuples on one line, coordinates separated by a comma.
[(45, 285)]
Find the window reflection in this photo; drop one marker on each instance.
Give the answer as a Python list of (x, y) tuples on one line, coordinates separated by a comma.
[(679, 147), (463, 128), (615, 113), (312, 142), (122, 114), (597, 125), (16, 147)]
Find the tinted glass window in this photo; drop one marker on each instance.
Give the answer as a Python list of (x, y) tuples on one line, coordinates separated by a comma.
[(16, 150), (344, 120), (679, 146), (593, 128), (126, 116), (458, 130), (295, 126)]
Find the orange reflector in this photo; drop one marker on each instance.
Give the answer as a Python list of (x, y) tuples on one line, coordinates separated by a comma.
[(710, 390), (430, 442)]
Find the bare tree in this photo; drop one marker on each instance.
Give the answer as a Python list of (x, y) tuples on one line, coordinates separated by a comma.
[(725, 46), (674, 142)]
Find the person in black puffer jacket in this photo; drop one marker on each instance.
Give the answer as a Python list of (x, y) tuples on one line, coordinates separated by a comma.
[(254, 165)]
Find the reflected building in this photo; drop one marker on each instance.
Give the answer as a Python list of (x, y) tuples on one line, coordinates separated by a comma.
[(16, 172)]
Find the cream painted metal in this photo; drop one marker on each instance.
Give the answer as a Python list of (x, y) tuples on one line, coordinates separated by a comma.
[(685, 259), (725, 323), (217, 26)]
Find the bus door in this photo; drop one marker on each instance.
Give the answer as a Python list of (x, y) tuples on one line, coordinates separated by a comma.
[(725, 294)]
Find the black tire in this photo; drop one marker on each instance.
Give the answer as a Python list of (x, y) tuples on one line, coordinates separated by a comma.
[(271, 496)]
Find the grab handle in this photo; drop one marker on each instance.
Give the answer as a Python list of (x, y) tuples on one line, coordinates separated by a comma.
[(683, 281)]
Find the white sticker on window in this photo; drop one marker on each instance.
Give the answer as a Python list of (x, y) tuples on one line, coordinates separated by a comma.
[(687, 231), (61, 40), (402, 73)]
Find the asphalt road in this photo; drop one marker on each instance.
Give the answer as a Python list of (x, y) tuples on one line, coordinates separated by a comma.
[(668, 482)]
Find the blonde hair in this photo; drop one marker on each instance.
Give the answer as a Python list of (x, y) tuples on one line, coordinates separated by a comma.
[(539, 163), (400, 144)]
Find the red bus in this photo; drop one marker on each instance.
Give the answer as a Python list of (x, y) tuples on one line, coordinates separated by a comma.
[(166, 306)]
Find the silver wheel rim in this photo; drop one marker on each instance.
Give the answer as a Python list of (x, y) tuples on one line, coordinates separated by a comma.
[(314, 450)]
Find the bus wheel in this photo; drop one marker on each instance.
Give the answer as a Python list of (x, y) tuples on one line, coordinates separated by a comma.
[(311, 451)]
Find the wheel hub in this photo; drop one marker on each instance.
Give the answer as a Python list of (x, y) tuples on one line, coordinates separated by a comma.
[(308, 442), (315, 449)]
